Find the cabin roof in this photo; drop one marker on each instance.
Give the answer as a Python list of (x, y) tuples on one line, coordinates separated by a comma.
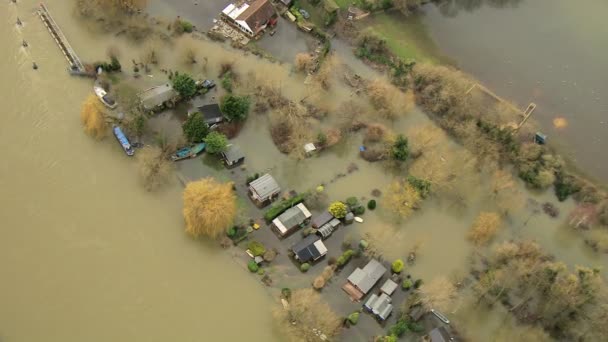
[(322, 219), (157, 95), (388, 287), (264, 187), (309, 249), (367, 277), (257, 14), (233, 153), (291, 217), (211, 113)]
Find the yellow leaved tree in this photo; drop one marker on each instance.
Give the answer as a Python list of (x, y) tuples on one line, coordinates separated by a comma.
[(93, 118), (209, 207)]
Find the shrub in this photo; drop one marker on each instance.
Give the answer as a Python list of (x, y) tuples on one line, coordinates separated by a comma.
[(352, 202), (308, 231), (338, 209), (305, 267), (235, 108), (318, 283), (195, 128), (359, 210), (261, 271), (417, 283), (353, 318), (399, 328), (371, 204), (286, 293), (256, 248), (252, 266), (270, 255), (407, 284), (277, 210), (400, 150), (566, 185), (231, 232), (332, 261), (345, 257), (423, 186), (186, 26), (397, 266), (216, 142), (184, 85), (227, 81)]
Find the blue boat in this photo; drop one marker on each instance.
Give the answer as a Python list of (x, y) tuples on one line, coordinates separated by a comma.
[(188, 152), (124, 142)]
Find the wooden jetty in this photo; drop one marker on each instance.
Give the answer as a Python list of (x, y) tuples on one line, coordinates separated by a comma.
[(76, 66)]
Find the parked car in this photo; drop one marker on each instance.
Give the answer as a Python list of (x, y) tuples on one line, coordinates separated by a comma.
[(304, 13), (208, 84)]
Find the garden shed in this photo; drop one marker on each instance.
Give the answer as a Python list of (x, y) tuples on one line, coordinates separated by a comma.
[(264, 190), (311, 248), (233, 155), (291, 220)]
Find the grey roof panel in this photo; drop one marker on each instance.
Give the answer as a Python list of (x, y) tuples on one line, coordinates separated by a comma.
[(265, 186)]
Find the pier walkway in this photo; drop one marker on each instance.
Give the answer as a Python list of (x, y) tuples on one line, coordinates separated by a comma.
[(76, 66)]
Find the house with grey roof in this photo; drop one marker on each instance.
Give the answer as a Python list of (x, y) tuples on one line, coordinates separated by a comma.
[(156, 98), (388, 287), (233, 155), (309, 249), (361, 281), (264, 190), (291, 220)]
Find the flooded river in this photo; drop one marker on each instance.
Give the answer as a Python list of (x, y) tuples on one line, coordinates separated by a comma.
[(551, 52), (85, 253)]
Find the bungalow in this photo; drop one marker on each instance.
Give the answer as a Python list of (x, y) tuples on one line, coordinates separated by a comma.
[(156, 97), (321, 219), (264, 190), (380, 306), (292, 219), (361, 281), (251, 18), (233, 155), (327, 229), (211, 113), (309, 249)]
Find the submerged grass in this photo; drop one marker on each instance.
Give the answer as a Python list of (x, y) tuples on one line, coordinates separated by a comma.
[(406, 38)]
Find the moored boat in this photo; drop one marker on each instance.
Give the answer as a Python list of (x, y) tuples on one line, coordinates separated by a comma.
[(104, 97), (124, 142), (188, 152)]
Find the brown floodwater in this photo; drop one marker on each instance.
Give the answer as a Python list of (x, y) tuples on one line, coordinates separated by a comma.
[(85, 253)]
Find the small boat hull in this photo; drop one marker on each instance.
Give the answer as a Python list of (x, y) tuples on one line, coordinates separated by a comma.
[(124, 142), (188, 152)]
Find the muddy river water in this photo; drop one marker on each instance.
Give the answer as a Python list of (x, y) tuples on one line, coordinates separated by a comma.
[(86, 254), (551, 52)]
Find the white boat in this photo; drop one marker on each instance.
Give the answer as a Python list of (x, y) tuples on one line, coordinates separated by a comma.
[(440, 316), (104, 97), (358, 219)]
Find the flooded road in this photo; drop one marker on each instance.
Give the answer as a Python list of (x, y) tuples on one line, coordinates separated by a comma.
[(551, 52), (85, 253)]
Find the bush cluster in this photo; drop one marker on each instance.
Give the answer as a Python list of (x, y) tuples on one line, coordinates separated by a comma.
[(345, 257), (278, 209)]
